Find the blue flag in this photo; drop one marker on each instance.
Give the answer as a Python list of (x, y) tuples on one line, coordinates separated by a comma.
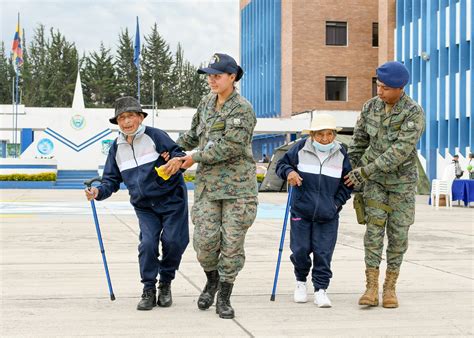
[(136, 54)]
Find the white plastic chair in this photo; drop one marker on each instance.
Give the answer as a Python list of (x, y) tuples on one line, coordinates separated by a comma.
[(441, 187)]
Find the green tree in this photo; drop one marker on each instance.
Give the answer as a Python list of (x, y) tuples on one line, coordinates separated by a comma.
[(156, 65), (194, 85), (34, 69), (100, 80), (124, 66), (7, 74), (61, 71)]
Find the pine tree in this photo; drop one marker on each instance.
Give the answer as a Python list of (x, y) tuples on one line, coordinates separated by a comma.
[(156, 65), (7, 74), (34, 69), (100, 80), (177, 98), (61, 71), (124, 66)]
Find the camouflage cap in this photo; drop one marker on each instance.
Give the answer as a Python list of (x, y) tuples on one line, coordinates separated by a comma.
[(126, 104)]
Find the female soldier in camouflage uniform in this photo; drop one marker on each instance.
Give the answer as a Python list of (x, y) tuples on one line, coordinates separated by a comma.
[(225, 195)]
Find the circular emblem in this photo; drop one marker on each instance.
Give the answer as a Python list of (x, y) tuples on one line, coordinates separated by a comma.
[(78, 121), (45, 146)]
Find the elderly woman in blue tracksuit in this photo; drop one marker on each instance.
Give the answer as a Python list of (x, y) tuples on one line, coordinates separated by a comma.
[(315, 167), (160, 202)]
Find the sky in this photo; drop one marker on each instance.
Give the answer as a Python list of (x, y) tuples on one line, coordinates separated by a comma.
[(203, 27)]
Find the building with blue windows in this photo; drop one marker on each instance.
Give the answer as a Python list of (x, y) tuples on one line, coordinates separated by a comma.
[(433, 38)]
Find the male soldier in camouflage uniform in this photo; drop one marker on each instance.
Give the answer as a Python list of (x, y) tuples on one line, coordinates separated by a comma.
[(225, 194), (383, 151)]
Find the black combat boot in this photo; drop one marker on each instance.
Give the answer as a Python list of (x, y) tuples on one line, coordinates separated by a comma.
[(164, 294), (148, 300), (206, 298), (223, 307)]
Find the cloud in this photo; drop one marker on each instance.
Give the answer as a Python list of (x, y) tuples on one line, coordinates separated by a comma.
[(201, 26)]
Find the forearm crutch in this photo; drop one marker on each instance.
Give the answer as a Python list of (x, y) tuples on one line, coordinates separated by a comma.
[(88, 184), (282, 241)]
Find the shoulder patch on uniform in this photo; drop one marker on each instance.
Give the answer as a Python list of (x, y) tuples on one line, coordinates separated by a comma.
[(236, 122), (411, 124)]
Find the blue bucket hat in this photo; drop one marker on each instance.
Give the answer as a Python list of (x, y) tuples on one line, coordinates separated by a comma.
[(222, 63), (394, 74)]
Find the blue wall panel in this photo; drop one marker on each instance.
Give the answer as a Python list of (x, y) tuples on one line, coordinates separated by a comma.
[(261, 56), (261, 60), (442, 74)]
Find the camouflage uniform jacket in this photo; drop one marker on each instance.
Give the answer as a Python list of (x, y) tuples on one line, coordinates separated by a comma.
[(388, 140), (226, 168)]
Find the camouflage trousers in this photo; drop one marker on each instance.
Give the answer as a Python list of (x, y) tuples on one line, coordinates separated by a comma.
[(401, 198), (220, 227)]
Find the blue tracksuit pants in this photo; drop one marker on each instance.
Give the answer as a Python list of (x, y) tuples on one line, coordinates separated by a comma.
[(318, 238), (166, 221)]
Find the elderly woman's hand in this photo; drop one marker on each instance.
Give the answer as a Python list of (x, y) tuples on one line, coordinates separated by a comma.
[(294, 179)]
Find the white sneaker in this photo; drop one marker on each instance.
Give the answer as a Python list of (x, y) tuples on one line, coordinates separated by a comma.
[(300, 295), (321, 299)]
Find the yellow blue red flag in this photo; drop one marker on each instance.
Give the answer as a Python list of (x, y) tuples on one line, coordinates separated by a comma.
[(17, 55)]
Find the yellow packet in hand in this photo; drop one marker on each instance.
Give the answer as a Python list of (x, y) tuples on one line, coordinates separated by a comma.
[(161, 172)]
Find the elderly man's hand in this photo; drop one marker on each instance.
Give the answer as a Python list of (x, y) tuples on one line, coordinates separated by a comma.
[(356, 177), (294, 179), (91, 193), (173, 166)]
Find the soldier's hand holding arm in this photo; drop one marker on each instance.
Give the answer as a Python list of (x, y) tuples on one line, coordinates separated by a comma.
[(165, 155), (294, 179), (187, 162), (357, 176)]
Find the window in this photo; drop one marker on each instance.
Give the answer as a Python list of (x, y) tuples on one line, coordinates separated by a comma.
[(375, 34), (374, 86), (336, 33), (336, 88)]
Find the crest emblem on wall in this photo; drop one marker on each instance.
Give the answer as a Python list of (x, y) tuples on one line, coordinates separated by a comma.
[(45, 146), (78, 122), (106, 144)]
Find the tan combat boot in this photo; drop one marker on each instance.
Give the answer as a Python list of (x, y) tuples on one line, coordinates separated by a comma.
[(389, 297), (371, 295)]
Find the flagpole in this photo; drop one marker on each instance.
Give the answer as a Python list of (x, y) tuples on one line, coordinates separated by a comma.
[(136, 58), (138, 75), (13, 111), (16, 93), (16, 115)]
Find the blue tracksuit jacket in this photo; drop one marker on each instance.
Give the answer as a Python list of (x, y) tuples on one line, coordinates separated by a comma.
[(134, 164)]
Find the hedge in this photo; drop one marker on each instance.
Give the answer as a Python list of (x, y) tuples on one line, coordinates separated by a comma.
[(29, 177)]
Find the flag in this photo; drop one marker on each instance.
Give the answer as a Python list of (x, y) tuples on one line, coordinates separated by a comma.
[(136, 54), (17, 52)]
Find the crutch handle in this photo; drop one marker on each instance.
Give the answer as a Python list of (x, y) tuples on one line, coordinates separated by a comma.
[(88, 183)]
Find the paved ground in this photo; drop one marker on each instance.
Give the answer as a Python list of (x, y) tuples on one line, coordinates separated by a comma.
[(52, 280)]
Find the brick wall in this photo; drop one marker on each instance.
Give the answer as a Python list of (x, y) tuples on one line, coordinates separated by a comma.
[(311, 60)]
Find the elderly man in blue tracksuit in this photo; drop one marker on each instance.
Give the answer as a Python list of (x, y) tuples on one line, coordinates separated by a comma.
[(315, 167), (160, 202)]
